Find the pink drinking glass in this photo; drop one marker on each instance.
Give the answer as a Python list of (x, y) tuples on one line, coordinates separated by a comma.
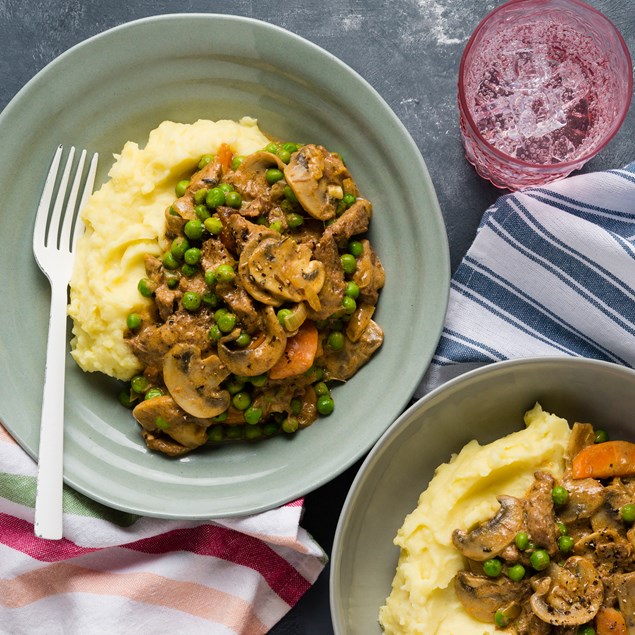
[(544, 85)]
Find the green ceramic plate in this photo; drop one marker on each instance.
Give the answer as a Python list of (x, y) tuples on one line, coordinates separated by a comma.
[(118, 86), (484, 404)]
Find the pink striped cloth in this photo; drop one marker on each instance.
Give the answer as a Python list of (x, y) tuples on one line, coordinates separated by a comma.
[(115, 572)]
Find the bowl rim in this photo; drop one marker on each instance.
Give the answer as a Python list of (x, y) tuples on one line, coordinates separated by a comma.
[(335, 602)]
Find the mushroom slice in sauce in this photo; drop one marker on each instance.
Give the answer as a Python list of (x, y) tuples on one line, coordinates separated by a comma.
[(278, 268), (625, 588), (490, 538), (194, 382), (316, 178), (570, 595), (261, 354), (167, 427), (482, 597)]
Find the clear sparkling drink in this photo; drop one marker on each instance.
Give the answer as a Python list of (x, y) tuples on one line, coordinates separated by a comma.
[(540, 91)]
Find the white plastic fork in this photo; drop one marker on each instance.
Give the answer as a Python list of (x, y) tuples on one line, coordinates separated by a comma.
[(54, 239)]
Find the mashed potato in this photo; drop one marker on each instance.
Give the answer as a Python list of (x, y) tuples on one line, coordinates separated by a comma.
[(462, 494), (125, 220)]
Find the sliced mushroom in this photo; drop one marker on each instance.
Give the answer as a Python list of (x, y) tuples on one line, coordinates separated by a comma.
[(481, 596), (585, 499), (571, 595), (311, 173), (582, 435), (625, 587), (490, 538), (250, 177), (167, 427), (194, 382), (275, 269), (261, 354)]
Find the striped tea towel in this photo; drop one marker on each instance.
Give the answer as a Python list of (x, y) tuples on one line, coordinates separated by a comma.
[(115, 573), (550, 272)]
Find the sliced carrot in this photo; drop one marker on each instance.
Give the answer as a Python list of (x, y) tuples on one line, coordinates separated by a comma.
[(224, 157), (610, 621), (604, 460), (299, 354)]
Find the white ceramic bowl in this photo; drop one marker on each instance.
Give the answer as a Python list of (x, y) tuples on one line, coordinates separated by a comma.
[(484, 404)]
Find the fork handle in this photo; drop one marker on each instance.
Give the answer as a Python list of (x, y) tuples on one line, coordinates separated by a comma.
[(48, 499)]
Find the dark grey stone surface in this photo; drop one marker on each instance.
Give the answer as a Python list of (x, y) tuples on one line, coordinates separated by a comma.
[(409, 51)]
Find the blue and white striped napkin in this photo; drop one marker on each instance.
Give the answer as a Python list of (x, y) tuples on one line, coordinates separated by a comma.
[(550, 272)]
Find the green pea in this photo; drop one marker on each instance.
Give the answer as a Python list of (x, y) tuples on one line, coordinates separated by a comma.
[(215, 198), (601, 436), (192, 256), (253, 432), (243, 340), (290, 425), (189, 270), (339, 210), (161, 423), (283, 314), (153, 392), (180, 188), (253, 415), (349, 305), (627, 513), (259, 380), (522, 540), (237, 161), (179, 246), (233, 199), (169, 261), (493, 567), (234, 385), (500, 619), (289, 194), (273, 175), (352, 290), (172, 279), (325, 405), (215, 433), (139, 384), (191, 300), (586, 630), (562, 529), (146, 287), (321, 389), (205, 159), (225, 273), (126, 400), (193, 229), (226, 187), (516, 572), (355, 248), (559, 495), (276, 226), (199, 195), (349, 264), (226, 322), (565, 543), (272, 147), (214, 225), (336, 340), (133, 321), (270, 428), (234, 433), (290, 147), (241, 400), (210, 278), (285, 155), (349, 199), (295, 220), (211, 300), (202, 213), (539, 559)]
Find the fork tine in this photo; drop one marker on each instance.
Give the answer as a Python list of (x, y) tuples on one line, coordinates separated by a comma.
[(67, 223), (88, 190), (59, 200), (41, 216)]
